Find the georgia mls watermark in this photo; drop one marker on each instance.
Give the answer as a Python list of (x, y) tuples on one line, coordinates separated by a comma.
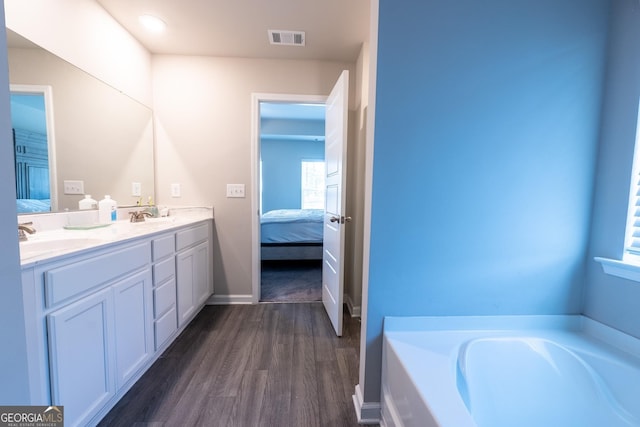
[(31, 416)]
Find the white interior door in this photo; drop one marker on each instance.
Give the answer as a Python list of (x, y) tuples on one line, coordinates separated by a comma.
[(337, 111)]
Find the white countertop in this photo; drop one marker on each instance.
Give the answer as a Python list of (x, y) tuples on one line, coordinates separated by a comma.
[(50, 244)]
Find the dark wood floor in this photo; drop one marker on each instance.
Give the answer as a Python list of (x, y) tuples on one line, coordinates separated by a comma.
[(250, 365)]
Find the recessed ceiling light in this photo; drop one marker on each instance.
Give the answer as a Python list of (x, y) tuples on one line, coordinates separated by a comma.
[(153, 23)]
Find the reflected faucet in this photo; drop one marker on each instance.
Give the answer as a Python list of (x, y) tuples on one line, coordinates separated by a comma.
[(25, 227)]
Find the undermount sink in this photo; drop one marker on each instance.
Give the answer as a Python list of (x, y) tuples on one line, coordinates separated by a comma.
[(152, 223), (159, 220), (32, 248)]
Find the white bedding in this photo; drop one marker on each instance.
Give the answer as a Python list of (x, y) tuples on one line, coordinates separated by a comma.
[(292, 226), (33, 205)]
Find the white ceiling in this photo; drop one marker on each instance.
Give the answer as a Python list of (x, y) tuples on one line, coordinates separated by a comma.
[(335, 29)]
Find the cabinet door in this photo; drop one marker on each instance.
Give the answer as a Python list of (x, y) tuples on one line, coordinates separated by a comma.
[(193, 281), (81, 353), (202, 281), (185, 269), (133, 324)]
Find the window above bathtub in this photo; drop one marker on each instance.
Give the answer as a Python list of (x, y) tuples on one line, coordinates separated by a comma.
[(629, 266)]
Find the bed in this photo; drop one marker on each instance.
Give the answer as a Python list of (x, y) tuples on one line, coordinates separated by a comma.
[(291, 234), (33, 205)]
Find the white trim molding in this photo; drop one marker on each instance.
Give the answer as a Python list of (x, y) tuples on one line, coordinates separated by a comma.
[(618, 268), (354, 310), (367, 412), (229, 299)]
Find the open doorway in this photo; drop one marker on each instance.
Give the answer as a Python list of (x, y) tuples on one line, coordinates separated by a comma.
[(290, 164)]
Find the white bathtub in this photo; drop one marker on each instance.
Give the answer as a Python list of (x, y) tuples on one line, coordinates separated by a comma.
[(505, 371)]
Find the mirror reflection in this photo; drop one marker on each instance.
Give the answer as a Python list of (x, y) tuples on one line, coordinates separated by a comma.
[(103, 138), (31, 145)]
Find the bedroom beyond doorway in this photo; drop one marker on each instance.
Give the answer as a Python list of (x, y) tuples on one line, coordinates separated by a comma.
[(291, 173)]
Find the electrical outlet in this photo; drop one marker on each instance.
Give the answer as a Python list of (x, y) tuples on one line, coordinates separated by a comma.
[(136, 189), (175, 190), (73, 187), (235, 190)]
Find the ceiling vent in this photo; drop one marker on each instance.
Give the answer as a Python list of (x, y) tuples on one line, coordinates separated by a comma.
[(286, 38)]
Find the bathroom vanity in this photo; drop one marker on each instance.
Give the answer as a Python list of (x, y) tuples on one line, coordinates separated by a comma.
[(104, 304)]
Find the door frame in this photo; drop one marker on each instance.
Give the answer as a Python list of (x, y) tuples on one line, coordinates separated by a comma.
[(256, 99)]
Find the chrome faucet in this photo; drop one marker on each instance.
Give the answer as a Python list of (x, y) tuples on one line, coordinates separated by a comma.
[(25, 227), (139, 216)]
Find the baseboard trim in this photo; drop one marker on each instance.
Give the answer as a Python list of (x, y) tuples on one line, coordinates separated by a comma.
[(354, 310), (229, 299), (367, 412)]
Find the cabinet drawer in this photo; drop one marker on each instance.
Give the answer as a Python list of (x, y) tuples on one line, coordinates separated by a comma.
[(164, 297), (163, 247), (165, 327), (191, 236), (163, 271), (76, 278)]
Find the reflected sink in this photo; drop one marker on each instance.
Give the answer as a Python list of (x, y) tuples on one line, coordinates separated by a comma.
[(33, 248)]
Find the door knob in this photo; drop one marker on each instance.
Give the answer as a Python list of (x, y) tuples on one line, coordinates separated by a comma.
[(340, 220)]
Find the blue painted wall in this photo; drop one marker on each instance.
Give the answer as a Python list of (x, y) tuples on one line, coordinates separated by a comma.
[(486, 132), (14, 372), (281, 171), (609, 299)]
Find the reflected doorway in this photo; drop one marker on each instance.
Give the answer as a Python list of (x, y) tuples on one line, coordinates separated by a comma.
[(34, 154)]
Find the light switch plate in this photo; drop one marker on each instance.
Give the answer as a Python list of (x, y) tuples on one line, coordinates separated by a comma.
[(235, 190), (175, 190), (73, 187)]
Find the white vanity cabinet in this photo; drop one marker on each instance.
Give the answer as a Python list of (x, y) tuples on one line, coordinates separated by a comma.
[(192, 271), (104, 314), (99, 328), (81, 353)]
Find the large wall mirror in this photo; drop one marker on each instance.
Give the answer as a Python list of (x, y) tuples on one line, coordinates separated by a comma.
[(102, 137)]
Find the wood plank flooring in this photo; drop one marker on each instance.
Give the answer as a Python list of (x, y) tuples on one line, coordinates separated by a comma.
[(250, 365)]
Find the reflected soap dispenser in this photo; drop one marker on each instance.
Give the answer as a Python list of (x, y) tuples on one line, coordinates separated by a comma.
[(152, 209), (87, 203)]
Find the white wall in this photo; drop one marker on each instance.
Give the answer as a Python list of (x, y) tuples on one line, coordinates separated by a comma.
[(202, 107), (84, 34)]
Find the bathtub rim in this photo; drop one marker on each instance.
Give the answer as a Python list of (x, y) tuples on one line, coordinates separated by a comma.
[(568, 322)]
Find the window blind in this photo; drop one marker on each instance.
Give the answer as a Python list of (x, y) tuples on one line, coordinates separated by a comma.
[(633, 222)]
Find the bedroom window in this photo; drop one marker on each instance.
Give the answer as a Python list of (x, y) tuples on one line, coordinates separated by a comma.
[(312, 184)]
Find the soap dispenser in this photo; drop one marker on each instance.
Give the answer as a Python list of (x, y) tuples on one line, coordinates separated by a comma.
[(107, 210)]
